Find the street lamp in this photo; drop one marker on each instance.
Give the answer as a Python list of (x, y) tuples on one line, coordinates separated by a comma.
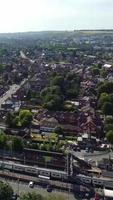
[(68, 191), (18, 187), (10, 145), (24, 159)]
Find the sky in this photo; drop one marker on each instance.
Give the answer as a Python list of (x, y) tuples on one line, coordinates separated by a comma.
[(44, 15)]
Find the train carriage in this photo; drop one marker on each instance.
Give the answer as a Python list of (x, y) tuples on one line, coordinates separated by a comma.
[(97, 182), (7, 166), (30, 170), (44, 173), (18, 168), (56, 175)]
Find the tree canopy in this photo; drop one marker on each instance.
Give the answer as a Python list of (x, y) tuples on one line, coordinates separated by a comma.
[(17, 144), (104, 97), (95, 71), (59, 130), (25, 117), (31, 196), (107, 108), (61, 87), (22, 118), (109, 120), (105, 87), (108, 127), (3, 141), (103, 73), (35, 196), (52, 97), (109, 136), (6, 191)]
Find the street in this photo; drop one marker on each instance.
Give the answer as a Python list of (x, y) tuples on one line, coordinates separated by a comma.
[(13, 89), (96, 156), (21, 187)]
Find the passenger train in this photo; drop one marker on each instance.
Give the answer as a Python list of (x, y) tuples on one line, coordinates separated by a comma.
[(54, 174), (95, 181), (36, 171)]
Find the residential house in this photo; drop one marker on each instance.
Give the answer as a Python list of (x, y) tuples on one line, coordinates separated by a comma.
[(66, 117), (88, 110), (35, 127), (89, 127), (48, 124)]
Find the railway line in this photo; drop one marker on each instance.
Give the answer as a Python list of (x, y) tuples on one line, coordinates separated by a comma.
[(38, 181), (55, 177), (34, 170)]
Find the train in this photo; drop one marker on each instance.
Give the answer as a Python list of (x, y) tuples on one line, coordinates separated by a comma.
[(34, 171), (95, 181), (55, 174)]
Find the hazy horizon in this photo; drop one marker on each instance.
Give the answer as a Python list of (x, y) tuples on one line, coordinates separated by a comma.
[(57, 15)]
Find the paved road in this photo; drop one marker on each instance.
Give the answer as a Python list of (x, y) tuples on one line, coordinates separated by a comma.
[(13, 89), (20, 187), (96, 156), (22, 54)]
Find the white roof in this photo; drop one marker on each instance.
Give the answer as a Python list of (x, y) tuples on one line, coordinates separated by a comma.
[(79, 139), (44, 177), (76, 103), (107, 65), (72, 142), (108, 193), (85, 135)]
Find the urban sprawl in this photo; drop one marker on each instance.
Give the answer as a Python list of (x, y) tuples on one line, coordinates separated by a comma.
[(56, 112)]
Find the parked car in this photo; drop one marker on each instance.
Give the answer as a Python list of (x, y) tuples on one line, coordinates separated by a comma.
[(78, 149), (49, 188), (87, 150), (14, 197), (31, 184), (91, 150)]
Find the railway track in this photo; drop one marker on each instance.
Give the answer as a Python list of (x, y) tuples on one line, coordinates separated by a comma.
[(25, 178)]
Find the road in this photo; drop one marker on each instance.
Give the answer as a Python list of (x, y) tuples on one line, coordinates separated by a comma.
[(96, 156), (22, 54), (13, 89), (21, 187)]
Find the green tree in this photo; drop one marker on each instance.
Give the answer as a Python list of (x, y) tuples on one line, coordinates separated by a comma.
[(109, 120), (9, 119), (72, 85), (3, 141), (104, 97), (52, 98), (17, 144), (59, 130), (6, 191), (95, 71), (54, 197), (103, 73), (108, 127), (31, 196), (58, 147), (105, 87), (25, 117), (109, 136), (58, 80), (107, 108)]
